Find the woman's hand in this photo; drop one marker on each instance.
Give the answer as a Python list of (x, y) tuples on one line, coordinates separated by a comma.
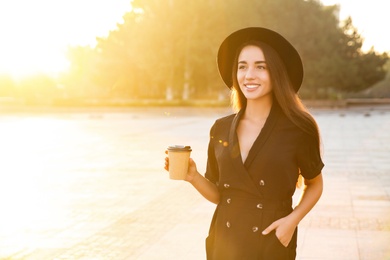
[(192, 170), (285, 227), (284, 230), (208, 189)]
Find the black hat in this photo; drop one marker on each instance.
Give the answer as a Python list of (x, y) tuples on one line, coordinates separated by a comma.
[(288, 54)]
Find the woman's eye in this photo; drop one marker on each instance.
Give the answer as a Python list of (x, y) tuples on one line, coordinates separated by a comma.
[(241, 67), (261, 67)]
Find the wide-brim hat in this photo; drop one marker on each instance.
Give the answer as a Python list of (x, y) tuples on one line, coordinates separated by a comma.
[(288, 54)]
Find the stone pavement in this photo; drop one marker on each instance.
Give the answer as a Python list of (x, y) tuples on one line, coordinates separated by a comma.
[(91, 185)]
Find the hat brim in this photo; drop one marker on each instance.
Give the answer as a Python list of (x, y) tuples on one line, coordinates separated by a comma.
[(288, 54)]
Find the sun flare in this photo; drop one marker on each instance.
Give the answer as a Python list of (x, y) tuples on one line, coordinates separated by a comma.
[(36, 34)]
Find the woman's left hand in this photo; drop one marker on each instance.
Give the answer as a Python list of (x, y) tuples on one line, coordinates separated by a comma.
[(284, 230)]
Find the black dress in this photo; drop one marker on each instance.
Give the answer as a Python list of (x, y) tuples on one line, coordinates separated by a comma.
[(256, 193)]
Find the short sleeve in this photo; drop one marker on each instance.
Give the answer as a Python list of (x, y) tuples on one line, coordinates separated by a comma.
[(309, 157), (212, 172)]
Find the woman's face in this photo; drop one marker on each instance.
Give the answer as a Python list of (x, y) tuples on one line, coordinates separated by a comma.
[(253, 75)]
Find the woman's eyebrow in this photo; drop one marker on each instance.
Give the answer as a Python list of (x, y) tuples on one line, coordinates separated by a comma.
[(256, 62)]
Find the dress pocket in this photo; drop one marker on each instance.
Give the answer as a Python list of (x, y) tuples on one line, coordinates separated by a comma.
[(277, 241), (274, 249)]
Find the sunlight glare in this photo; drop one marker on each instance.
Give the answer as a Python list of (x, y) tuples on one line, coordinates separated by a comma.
[(370, 18), (27, 178), (35, 34)]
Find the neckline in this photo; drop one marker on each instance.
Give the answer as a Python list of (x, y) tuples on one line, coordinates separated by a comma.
[(260, 139)]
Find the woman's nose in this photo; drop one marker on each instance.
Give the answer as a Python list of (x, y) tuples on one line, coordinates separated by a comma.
[(250, 73)]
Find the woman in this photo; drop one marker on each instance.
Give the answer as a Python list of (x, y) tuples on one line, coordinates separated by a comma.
[(256, 156)]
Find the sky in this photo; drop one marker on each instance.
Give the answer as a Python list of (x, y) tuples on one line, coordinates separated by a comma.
[(371, 18), (35, 34)]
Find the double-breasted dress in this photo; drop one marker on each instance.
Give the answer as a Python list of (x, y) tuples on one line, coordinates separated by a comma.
[(258, 191)]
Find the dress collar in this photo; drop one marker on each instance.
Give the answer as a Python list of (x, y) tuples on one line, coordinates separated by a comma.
[(260, 140)]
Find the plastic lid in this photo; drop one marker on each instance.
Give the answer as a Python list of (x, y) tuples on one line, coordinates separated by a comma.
[(179, 148)]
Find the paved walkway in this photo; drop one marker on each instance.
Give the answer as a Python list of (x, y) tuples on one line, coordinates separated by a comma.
[(91, 185)]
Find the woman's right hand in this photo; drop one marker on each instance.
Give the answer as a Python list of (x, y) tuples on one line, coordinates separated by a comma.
[(192, 170), (208, 189)]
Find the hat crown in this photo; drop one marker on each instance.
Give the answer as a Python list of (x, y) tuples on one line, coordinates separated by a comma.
[(288, 54)]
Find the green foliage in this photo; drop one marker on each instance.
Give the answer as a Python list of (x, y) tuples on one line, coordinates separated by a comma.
[(81, 78), (357, 70), (167, 48), (378, 90)]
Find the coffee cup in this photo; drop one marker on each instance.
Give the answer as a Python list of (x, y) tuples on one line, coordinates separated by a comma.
[(179, 156)]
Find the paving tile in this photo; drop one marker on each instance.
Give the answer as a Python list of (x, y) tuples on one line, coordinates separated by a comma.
[(321, 243), (91, 185), (373, 244)]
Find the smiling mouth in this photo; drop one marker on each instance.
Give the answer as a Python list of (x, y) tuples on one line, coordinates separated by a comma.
[(252, 86)]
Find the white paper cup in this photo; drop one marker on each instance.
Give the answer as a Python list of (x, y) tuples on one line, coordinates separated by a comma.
[(179, 156)]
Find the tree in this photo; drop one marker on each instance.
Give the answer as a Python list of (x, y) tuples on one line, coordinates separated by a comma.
[(77, 80), (38, 89), (358, 70), (169, 46), (119, 58)]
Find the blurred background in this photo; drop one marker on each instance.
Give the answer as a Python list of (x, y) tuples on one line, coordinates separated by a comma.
[(93, 91), (120, 53)]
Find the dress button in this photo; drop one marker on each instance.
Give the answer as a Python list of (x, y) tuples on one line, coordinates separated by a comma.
[(226, 185), (228, 224), (259, 206), (229, 200), (255, 229), (262, 183)]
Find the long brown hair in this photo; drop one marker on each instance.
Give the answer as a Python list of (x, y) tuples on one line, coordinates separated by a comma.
[(282, 89)]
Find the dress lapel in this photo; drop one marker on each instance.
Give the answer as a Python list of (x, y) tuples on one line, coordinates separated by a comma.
[(263, 136), (235, 155), (234, 146)]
